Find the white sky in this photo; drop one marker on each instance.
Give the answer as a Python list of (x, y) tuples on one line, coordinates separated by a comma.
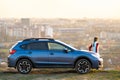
[(60, 8)]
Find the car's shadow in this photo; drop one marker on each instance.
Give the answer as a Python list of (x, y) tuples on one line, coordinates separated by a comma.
[(41, 71), (50, 71)]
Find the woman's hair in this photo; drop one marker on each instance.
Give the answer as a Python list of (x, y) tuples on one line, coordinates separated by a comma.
[(95, 39)]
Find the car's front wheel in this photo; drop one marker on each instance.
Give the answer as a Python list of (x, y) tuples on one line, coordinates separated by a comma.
[(24, 66), (83, 66)]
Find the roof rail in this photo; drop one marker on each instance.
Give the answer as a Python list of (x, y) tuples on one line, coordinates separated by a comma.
[(33, 39)]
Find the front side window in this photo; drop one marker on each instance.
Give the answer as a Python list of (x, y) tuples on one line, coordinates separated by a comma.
[(37, 46), (55, 46)]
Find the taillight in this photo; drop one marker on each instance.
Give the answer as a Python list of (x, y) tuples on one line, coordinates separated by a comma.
[(12, 51)]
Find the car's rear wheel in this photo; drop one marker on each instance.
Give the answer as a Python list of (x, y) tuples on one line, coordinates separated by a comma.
[(24, 66), (83, 66)]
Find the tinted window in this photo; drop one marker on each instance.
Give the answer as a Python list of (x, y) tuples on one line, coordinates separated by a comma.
[(24, 46), (37, 46), (56, 46)]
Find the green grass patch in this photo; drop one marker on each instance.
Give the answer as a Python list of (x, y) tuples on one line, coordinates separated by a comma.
[(4, 50), (60, 75), (4, 53)]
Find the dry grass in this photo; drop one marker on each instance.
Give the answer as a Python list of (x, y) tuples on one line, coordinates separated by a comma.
[(64, 74), (58, 74)]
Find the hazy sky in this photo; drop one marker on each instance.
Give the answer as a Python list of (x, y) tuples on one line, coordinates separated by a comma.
[(60, 8)]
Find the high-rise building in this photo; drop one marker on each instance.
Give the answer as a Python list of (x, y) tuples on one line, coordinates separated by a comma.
[(25, 21)]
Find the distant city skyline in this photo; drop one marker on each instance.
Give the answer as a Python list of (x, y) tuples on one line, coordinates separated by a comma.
[(60, 9)]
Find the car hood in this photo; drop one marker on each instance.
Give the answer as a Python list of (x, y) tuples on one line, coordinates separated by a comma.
[(89, 52)]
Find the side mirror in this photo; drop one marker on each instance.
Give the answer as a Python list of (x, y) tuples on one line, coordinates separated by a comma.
[(66, 50)]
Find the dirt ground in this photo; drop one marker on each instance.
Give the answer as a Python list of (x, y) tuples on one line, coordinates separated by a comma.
[(111, 71), (57, 74)]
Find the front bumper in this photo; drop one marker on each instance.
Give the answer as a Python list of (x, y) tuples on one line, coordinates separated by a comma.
[(97, 63), (100, 63)]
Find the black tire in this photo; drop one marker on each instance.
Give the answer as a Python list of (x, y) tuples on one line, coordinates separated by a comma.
[(24, 66), (83, 66)]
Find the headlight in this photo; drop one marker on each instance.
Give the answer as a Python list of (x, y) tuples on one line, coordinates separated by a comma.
[(96, 55)]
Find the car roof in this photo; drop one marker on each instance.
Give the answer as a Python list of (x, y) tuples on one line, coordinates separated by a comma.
[(39, 39)]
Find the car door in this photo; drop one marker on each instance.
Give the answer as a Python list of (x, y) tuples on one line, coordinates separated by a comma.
[(39, 53), (59, 55)]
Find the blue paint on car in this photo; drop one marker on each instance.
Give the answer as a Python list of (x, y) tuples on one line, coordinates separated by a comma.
[(51, 53)]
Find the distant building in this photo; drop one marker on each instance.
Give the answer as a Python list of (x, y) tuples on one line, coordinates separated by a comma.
[(46, 31), (70, 30), (25, 21), (23, 31), (110, 35)]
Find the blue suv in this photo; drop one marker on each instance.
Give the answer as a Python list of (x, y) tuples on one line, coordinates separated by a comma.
[(50, 53)]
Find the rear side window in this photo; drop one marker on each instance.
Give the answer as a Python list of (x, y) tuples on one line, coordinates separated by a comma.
[(35, 46), (24, 46)]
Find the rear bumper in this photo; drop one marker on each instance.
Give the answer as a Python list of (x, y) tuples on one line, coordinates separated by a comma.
[(11, 62)]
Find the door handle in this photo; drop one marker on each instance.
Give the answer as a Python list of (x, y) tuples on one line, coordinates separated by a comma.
[(51, 53), (30, 52)]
